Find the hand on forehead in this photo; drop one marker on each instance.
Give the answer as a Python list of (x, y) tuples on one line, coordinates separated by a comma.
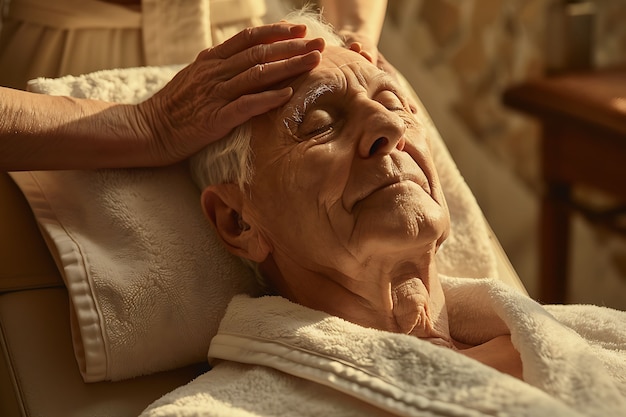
[(342, 72)]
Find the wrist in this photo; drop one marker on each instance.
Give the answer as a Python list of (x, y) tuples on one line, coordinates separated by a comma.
[(154, 129), (105, 135)]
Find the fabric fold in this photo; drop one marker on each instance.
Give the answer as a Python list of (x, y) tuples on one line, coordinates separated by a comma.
[(565, 374), (175, 31), (74, 14)]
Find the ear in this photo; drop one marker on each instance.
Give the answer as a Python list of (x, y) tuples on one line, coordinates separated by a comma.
[(223, 206)]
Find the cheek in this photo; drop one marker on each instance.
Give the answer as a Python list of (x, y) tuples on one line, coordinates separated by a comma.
[(304, 186), (317, 179), (300, 199), (420, 151)]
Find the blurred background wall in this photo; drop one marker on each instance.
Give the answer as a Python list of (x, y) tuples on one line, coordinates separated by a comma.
[(460, 55), (463, 54)]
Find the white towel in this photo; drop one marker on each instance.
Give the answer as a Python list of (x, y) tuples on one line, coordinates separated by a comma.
[(147, 278), (273, 357)]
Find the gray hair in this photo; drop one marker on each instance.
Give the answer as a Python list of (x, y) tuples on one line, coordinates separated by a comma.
[(229, 160)]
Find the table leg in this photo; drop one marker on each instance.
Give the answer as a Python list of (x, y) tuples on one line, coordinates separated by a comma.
[(554, 234)]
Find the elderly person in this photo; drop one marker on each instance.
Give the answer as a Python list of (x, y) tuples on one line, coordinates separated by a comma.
[(374, 270), (335, 199)]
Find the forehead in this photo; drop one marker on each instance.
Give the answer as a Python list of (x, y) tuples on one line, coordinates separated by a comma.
[(336, 57), (338, 65), (340, 69)]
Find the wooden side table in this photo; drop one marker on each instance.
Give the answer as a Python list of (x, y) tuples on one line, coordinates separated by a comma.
[(583, 117)]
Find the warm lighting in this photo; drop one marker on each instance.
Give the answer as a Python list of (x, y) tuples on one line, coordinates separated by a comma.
[(581, 8), (619, 103)]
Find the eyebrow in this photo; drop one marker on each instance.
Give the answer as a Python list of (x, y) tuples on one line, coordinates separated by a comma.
[(311, 97), (315, 92)]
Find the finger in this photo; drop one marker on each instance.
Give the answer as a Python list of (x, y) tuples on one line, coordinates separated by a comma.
[(356, 47), (262, 54), (263, 76), (255, 36), (246, 107)]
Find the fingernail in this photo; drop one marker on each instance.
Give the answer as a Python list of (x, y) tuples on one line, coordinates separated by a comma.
[(297, 29), (284, 92), (317, 43), (312, 57)]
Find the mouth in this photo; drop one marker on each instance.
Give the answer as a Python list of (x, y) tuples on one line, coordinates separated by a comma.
[(391, 184)]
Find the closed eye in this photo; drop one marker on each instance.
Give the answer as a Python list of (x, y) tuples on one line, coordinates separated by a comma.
[(390, 100), (316, 123), (320, 131)]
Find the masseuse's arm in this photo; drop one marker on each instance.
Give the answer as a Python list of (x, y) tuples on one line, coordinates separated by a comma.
[(221, 89), (357, 20)]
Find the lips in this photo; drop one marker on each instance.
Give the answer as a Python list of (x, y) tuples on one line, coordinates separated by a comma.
[(388, 180)]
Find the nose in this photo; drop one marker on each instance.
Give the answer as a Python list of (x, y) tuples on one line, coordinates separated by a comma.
[(382, 131)]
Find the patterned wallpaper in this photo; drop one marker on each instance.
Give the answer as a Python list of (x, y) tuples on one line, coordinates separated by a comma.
[(479, 47)]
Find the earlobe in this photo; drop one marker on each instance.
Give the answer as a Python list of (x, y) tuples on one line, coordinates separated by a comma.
[(223, 205)]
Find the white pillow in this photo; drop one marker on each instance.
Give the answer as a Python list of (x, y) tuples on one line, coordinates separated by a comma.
[(148, 279)]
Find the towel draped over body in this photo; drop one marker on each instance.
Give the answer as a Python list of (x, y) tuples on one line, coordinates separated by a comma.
[(273, 357)]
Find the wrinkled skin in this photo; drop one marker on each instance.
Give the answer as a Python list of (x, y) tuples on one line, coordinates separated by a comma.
[(369, 50), (225, 86)]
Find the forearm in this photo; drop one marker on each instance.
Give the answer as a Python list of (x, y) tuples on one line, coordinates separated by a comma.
[(50, 132), (365, 17), (217, 92)]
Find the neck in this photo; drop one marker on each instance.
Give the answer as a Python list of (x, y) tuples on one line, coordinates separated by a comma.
[(401, 295)]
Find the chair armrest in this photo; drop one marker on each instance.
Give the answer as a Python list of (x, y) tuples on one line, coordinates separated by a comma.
[(25, 261), (41, 377)]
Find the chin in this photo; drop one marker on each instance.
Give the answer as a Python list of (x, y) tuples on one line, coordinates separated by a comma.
[(409, 213), (396, 231)]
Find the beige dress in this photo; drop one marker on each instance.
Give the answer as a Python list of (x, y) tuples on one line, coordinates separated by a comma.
[(51, 38)]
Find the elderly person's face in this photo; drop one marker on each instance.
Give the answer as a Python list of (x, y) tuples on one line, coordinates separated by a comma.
[(344, 187), (343, 173)]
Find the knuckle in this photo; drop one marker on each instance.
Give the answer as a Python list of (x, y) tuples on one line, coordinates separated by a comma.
[(258, 54), (256, 72), (242, 106), (247, 34), (219, 92), (292, 65), (204, 54), (209, 53), (293, 46)]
